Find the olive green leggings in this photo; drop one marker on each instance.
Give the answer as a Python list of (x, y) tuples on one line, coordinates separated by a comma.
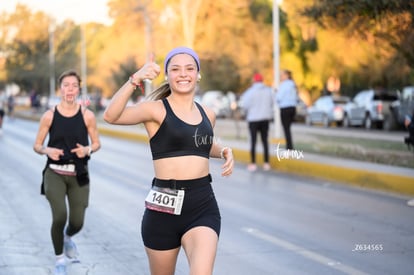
[(57, 188)]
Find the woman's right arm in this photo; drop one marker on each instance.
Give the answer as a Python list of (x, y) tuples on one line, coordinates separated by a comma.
[(117, 111), (44, 126)]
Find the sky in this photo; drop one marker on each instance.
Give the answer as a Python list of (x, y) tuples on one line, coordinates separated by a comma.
[(78, 10)]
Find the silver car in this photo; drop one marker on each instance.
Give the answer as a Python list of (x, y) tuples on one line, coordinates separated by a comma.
[(369, 108), (326, 110)]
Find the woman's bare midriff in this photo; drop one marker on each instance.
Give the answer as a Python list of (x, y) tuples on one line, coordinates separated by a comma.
[(181, 168)]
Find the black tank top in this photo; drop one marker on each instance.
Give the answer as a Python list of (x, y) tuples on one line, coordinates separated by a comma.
[(177, 138), (65, 132)]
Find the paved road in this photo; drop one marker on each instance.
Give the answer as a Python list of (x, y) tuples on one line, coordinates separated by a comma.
[(272, 223)]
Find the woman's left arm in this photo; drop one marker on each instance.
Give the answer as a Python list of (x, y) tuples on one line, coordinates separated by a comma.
[(218, 151), (226, 153), (92, 127)]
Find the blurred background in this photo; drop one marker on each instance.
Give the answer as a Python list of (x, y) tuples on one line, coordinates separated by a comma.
[(339, 48)]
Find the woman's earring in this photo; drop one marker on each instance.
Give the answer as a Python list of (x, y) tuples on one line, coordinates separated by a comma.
[(166, 78), (198, 77)]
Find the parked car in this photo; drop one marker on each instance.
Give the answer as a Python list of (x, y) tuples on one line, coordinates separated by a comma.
[(369, 108), (326, 110), (301, 111), (218, 102), (402, 107)]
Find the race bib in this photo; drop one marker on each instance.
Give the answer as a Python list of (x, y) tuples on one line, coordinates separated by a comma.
[(63, 169), (165, 200)]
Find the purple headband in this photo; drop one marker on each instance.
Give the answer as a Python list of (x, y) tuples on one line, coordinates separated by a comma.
[(179, 50)]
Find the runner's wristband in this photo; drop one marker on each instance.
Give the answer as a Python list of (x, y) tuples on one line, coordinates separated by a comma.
[(131, 81), (222, 151)]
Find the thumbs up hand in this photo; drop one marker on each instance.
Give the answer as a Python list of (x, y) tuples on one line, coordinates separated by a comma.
[(149, 71)]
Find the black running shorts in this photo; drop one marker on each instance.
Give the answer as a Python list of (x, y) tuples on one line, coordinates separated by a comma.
[(163, 231)]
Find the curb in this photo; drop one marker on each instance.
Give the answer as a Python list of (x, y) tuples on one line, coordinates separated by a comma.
[(365, 179), (357, 177)]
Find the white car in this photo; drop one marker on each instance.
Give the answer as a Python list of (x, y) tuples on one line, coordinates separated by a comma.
[(327, 109), (218, 102)]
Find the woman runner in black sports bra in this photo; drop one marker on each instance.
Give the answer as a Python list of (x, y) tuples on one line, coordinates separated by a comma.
[(181, 209), (72, 136)]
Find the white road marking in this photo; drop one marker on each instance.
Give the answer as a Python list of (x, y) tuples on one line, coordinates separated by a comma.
[(304, 252)]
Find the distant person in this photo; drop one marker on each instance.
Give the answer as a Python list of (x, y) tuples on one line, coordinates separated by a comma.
[(98, 102), (257, 102), (65, 177), (2, 112), (35, 100), (10, 106), (181, 138), (287, 98), (409, 124)]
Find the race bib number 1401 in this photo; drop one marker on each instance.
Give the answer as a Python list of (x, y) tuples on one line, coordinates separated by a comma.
[(165, 200)]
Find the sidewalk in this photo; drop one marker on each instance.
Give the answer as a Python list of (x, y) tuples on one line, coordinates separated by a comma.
[(381, 177)]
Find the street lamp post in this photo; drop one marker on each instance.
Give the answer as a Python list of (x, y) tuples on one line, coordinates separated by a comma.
[(143, 7), (83, 63), (148, 47), (276, 65), (51, 59)]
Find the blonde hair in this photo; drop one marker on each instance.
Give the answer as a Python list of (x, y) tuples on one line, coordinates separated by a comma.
[(161, 92), (288, 73)]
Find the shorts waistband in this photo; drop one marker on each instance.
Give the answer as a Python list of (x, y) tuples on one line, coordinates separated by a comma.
[(182, 184)]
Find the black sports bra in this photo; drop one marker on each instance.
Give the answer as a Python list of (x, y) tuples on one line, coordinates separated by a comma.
[(177, 138)]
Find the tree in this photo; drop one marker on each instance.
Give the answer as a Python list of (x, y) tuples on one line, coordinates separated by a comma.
[(124, 71), (189, 11), (233, 39), (25, 47), (67, 47), (233, 44), (387, 24)]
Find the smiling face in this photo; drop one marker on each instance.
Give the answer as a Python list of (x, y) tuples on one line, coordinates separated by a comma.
[(182, 73)]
